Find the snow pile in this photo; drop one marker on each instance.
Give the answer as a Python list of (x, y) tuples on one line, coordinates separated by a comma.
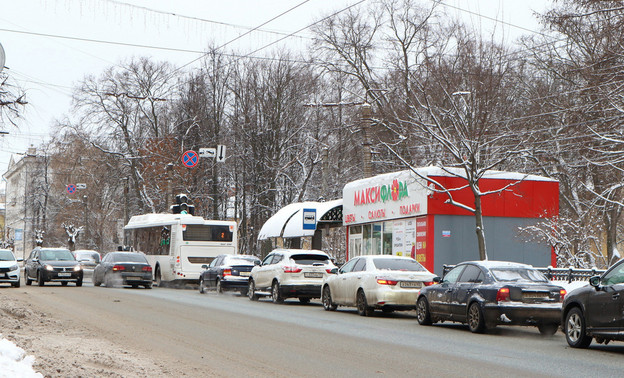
[(14, 362)]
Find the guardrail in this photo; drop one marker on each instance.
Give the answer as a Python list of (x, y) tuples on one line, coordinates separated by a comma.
[(570, 274), (556, 274)]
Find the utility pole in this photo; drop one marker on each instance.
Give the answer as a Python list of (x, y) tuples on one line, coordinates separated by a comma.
[(365, 122), (86, 221), (169, 194), (125, 210)]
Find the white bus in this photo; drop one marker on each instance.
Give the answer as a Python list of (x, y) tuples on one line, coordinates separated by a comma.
[(177, 245)]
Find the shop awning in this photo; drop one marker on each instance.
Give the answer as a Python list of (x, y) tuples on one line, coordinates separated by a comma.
[(288, 221)]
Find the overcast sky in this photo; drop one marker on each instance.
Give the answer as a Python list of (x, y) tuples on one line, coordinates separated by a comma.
[(47, 67)]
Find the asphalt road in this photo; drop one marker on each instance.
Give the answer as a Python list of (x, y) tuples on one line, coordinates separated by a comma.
[(229, 335)]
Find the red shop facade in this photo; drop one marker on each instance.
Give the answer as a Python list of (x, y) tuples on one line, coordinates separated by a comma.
[(400, 213)]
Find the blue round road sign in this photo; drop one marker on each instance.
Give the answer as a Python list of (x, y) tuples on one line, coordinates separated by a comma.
[(71, 188), (190, 159)]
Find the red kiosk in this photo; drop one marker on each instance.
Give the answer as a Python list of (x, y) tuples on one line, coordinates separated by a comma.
[(398, 213)]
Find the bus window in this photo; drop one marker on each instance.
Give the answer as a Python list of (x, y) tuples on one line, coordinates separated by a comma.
[(195, 232)]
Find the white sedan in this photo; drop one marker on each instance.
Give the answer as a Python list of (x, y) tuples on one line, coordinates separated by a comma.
[(376, 282), (9, 269)]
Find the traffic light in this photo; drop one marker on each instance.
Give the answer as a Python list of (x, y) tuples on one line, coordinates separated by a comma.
[(181, 206)]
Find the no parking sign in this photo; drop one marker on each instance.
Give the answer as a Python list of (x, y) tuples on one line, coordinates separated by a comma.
[(71, 188), (190, 159)]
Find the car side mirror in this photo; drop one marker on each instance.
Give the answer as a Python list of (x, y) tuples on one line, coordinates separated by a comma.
[(334, 271), (595, 281), (204, 266), (258, 263), (20, 259), (437, 279), (35, 260)]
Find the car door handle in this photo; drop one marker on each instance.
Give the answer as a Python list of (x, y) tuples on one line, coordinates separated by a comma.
[(359, 277), (449, 290), (616, 296)]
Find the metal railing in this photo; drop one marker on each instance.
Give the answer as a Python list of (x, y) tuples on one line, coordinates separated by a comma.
[(556, 274), (570, 274)]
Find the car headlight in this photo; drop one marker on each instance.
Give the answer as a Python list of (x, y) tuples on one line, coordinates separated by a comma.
[(77, 268), (49, 267), (14, 267)]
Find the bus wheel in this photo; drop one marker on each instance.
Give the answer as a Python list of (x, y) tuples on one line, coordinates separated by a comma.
[(157, 276)]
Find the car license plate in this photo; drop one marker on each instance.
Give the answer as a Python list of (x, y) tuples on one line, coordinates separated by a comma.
[(3, 275), (411, 284), (313, 275), (244, 274), (64, 274), (133, 278), (534, 294)]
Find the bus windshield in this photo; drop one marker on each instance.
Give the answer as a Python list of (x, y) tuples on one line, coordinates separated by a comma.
[(200, 232)]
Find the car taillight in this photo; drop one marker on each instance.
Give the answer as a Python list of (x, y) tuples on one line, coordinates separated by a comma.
[(227, 272), (329, 271), (383, 281), (292, 269), (147, 268), (117, 268), (429, 283), (562, 294), (503, 294)]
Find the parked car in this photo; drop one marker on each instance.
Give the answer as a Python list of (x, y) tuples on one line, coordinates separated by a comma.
[(87, 258), (290, 273), (52, 264), (228, 272), (596, 311), (9, 268), (123, 268), (372, 282), (484, 294)]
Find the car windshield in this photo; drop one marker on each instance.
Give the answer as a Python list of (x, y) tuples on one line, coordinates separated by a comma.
[(88, 256), (308, 259), (239, 260), (399, 264), (6, 255), (518, 274), (129, 257), (60, 255)]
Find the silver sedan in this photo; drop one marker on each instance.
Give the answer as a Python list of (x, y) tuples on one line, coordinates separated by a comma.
[(372, 282)]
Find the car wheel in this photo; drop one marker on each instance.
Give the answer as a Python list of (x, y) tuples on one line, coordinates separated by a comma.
[(148, 286), (202, 288), (28, 280), (476, 323), (135, 286), (304, 300), (40, 281), (326, 298), (96, 282), (219, 287), (251, 291), (362, 305), (575, 329), (276, 296), (547, 329), (243, 292), (79, 283), (16, 284), (64, 283), (422, 312)]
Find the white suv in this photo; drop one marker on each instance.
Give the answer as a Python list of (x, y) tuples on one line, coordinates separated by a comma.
[(290, 273)]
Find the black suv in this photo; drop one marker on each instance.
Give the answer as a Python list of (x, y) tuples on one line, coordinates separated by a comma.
[(596, 311), (52, 264)]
